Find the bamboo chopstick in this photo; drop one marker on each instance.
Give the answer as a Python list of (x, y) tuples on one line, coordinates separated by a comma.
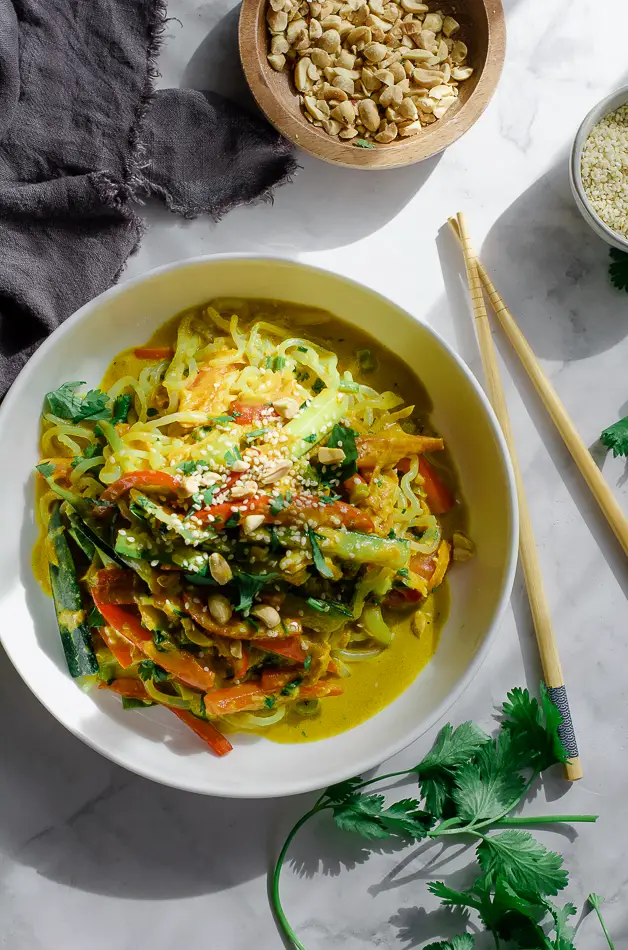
[(548, 649), (570, 435)]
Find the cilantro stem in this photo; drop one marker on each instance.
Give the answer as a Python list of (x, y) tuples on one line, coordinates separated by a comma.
[(276, 900), (594, 905), (543, 819), (382, 778)]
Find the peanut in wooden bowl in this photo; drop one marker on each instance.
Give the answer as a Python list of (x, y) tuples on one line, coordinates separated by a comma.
[(482, 28)]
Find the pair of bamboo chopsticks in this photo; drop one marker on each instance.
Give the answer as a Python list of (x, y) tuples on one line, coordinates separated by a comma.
[(548, 649)]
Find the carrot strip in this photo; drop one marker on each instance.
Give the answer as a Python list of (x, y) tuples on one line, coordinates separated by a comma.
[(233, 699), (128, 688), (320, 689), (154, 353), (273, 681)]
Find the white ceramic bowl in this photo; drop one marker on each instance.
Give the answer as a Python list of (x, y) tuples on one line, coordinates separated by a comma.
[(154, 743), (612, 102)]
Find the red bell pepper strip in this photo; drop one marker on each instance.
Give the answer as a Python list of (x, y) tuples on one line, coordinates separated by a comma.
[(180, 663), (134, 689), (251, 412), (205, 731), (146, 479), (401, 596), (121, 650), (291, 648), (115, 585), (218, 515), (438, 496), (154, 353)]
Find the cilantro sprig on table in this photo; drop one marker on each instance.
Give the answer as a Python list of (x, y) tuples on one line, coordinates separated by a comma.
[(468, 785), (618, 269)]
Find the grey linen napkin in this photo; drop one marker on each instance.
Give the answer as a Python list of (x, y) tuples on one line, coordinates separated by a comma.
[(83, 137)]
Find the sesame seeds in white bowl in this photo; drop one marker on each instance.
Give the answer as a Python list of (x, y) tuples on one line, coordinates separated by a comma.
[(598, 169)]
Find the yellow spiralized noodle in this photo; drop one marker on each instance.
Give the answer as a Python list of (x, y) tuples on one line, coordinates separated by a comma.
[(407, 500), (252, 721), (62, 433), (79, 470), (130, 382)]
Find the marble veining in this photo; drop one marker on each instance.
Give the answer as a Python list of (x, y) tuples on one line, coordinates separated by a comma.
[(91, 855)]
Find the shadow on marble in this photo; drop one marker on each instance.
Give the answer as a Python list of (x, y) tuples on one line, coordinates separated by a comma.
[(216, 65), (319, 849), (612, 325), (444, 852), (543, 256), (325, 206), (416, 924), (80, 820)]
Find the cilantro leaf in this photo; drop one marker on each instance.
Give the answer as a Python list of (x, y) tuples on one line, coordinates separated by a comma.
[(563, 929), (459, 942), (312, 437), (363, 143), (158, 638), (289, 688), (618, 269), (365, 815), (533, 729), (249, 586), (492, 783), (191, 466), (232, 456), (343, 438), (616, 437), (319, 561), (342, 790), (45, 468), (277, 504), (452, 749), (274, 362), (256, 434), (64, 403), (523, 863), (234, 520), (91, 450), (95, 618), (318, 386), (452, 898), (148, 670), (121, 408), (129, 702), (327, 606)]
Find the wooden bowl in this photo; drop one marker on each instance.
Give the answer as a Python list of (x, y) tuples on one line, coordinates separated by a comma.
[(482, 28)]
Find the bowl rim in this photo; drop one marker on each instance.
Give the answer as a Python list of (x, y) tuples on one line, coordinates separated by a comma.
[(402, 153), (370, 761), (599, 111)]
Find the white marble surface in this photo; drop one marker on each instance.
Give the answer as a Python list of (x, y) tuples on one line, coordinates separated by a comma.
[(90, 855)]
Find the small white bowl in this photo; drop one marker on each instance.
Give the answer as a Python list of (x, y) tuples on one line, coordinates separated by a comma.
[(153, 743), (610, 104)]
